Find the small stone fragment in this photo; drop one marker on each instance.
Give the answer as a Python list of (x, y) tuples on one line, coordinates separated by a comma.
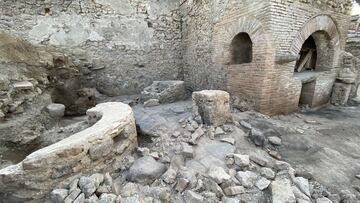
[(230, 200), (262, 183), (275, 140), (323, 200), (267, 173), (151, 103), (182, 184), (246, 125), (56, 110), (145, 170), (282, 191), (25, 85), (218, 174), (228, 140), (247, 178), (234, 190), (193, 197), (58, 195), (80, 198), (72, 196), (107, 198), (187, 150), (219, 131), (242, 160)]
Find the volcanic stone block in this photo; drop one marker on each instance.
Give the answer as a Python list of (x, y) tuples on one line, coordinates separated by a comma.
[(212, 106), (165, 91), (340, 94)]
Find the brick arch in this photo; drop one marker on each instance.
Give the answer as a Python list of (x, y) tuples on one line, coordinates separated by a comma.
[(318, 23), (225, 32)]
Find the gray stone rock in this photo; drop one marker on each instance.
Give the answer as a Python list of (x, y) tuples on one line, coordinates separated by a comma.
[(92, 199), (299, 195), (72, 195), (130, 189), (262, 183), (151, 103), (230, 200), (323, 200), (196, 135), (259, 159), (101, 149), (24, 85), (133, 199), (108, 179), (193, 197), (182, 184), (247, 179), (56, 110), (257, 137), (169, 176), (218, 174), (267, 173), (59, 195), (242, 160), (80, 198), (98, 179), (281, 191), (187, 150), (246, 125), (228, 140), (107, 198), (73, 184), (219, 131), (303, 185), (87, 185), (145, 170), (234, 190), (275, 140)]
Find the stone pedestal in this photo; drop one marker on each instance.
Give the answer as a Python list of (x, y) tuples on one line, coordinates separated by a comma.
[(212, 106), (341, 93)]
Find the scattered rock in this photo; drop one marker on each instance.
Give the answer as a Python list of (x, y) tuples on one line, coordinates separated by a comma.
[(145, 170), (323, 200), (169, 176), (193, 197), (228, 140), (275, 140), (182, 184), (56, 110), (247, 178), (257, 137), (246, 125), (242, 160), (262, 183), (151, 103), (196, 135), (218, 174), (357, 176), (303, 185), (259, 159), (73, 194), (281, 191), (58, 195), (219, 131), (230, 200), (80, 198), (234, 190), (87, 185), (300, 195), (107, 198), (267, 173), (187, 150), (24, 85)]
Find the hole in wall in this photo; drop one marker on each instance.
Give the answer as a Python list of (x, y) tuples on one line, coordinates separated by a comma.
[(241, 49)]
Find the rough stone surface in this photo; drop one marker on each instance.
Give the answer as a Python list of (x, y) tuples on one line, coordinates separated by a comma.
[(59, 195), (146, 170), (282, 192), (212, 106), (247, 178), (193, 197), (341, 93), (218, 174), (165, 91), (262, 183)]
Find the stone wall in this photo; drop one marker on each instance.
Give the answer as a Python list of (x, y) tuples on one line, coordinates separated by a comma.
[(98, 148), (122, 45)]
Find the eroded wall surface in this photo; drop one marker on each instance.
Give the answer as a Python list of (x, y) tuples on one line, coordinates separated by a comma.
[(123, 45)]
